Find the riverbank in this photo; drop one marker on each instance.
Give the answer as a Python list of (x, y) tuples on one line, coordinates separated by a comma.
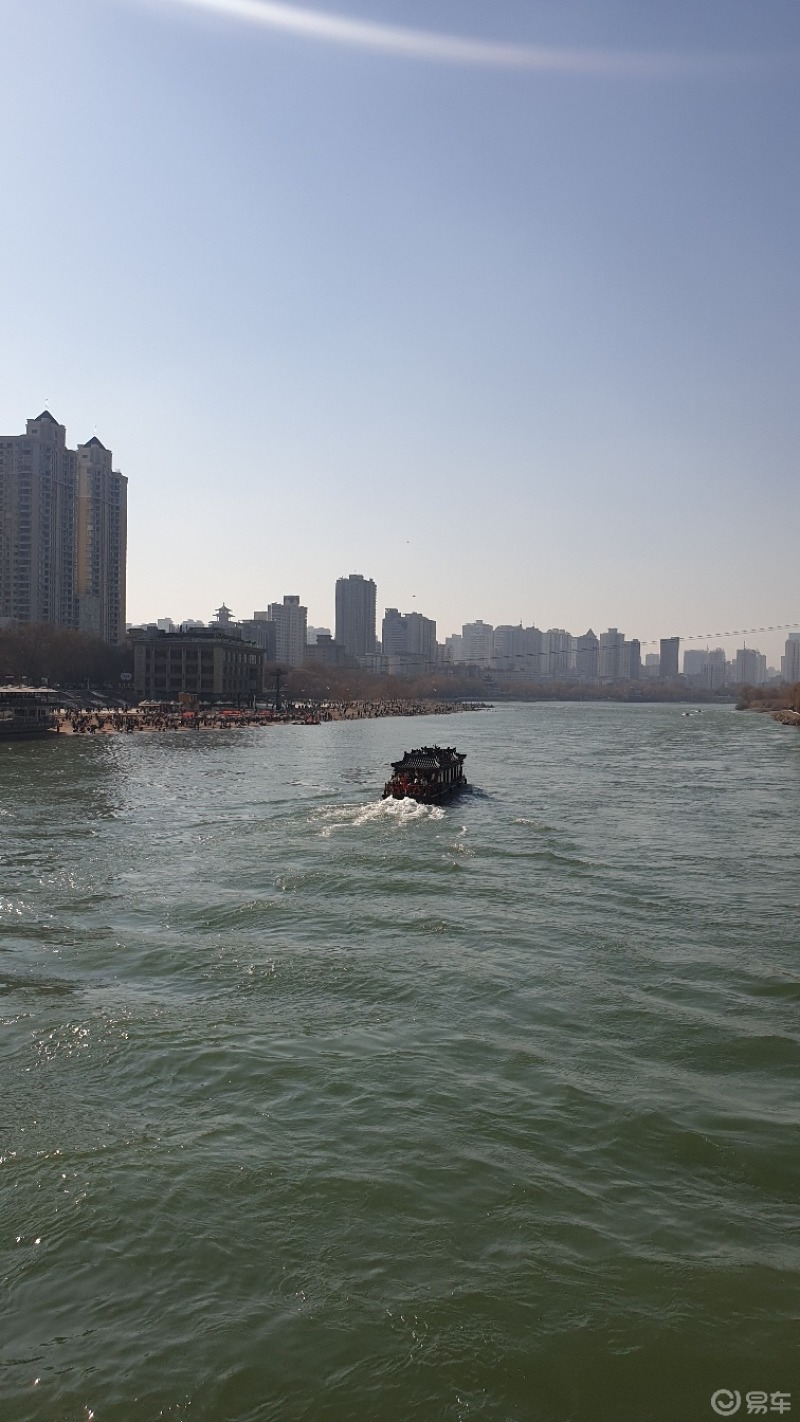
[(168, 717), (782, 702), (786, 717)]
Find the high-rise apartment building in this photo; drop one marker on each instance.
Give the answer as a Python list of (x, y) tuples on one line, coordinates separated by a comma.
[(290, 630), (631, 660), (453, 649), (695, 663), (717, 669), (525, 650), (62, 532), (476, 642), (355, 614), (560, 661), (587, 657), (508, 648), (790, 661), (610, 656), (669, 655), (409, 635), (750, 668), (102, 531), (37, 525)]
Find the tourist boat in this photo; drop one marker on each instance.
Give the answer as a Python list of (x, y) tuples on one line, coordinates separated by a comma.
[(27, 711), (429, 774)]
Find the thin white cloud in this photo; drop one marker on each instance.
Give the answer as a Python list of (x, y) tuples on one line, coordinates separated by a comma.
[(451, 49)]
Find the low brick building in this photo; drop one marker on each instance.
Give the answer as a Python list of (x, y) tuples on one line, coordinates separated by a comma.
[(205, 662)]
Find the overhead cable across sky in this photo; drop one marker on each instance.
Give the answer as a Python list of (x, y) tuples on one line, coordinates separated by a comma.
[(708, 636)]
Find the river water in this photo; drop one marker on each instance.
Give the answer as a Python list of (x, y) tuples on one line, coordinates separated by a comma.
[(317, 1107)]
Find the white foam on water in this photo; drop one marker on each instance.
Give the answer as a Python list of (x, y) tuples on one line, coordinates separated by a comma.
[(397, 812)]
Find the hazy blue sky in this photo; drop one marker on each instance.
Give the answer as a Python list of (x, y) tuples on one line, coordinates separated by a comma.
[(512, 330)]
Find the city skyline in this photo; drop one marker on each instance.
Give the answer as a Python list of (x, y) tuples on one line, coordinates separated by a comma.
[(772, 641), (410, 644), (518, 339)]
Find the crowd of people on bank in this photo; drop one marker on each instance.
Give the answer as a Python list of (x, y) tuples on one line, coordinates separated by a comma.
[(169, 716), (366, 710)]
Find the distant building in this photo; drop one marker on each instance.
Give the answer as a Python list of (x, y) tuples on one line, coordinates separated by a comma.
[(166, 624), (209, 663), (325, 652), (587, 657), (790, 661), (631, 660), (355, 614), (508, 648), (37, 525), (476, 644), (695, 663), (312, 633), (101, 527), (560, 659), (717, 669), (750, 668), (408, 641), (262, 633), (669, 655), (705, 668), (535, 654), (223, 617), (610, 656), (393, 632), (453, 650), (290, 621)]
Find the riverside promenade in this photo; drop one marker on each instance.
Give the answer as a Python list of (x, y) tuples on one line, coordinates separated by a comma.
[(166, 716)]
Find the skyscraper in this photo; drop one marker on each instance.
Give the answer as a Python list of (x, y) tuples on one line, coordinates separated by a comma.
[(410, 635), (790, 661), (290, 630), (610, 660), (670, 652), (62, 532), (750, 668), (37, 525), (102, 531), (477, 642), (508, 648), (588, 657), (632, 659), (355, 614), (559, 661)]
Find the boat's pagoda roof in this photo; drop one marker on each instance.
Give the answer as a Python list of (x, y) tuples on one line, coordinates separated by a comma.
[(429, 758)]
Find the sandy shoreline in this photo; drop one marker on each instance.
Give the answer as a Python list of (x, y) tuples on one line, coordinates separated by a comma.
[(111, 721)]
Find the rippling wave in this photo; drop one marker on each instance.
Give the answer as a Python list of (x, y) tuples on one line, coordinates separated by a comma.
[(322, 1106)]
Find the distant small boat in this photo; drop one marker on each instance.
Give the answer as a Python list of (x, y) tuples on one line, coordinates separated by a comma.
[(427, 775)]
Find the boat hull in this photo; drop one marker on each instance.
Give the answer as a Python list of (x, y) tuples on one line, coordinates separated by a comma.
[(426, 797), (24, 733)]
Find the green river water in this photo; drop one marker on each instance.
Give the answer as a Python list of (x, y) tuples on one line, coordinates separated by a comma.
[(319, 1107)]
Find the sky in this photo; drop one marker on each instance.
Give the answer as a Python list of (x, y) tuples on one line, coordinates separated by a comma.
[(493, 301)]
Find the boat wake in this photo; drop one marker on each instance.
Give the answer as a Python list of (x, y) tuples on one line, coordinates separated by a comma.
[(388, 812)]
